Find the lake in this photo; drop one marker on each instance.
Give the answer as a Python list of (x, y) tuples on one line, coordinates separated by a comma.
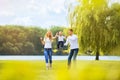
[(115, 58)]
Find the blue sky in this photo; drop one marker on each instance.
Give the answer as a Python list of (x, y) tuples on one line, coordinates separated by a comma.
[(42, 13)]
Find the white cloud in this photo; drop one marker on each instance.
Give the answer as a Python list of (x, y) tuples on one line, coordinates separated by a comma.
[(6, 8), (33, 12), (44, 6), (32, 4), (38, 7), (21, 21), (6, 13), (57, 6)]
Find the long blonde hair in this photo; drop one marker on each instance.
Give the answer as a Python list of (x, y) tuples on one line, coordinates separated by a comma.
[(49, 35)]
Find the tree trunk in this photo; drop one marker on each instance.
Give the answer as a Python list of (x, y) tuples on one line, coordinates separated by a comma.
[(97, 55)]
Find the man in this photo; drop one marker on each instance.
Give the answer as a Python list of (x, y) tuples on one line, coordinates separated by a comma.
[(74, 48)]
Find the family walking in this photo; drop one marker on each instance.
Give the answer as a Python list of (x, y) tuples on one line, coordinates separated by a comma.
[(72, 40)]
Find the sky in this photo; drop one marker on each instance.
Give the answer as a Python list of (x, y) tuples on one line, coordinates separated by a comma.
[(44, 13)]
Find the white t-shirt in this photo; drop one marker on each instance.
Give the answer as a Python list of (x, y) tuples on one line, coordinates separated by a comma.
[(61, 38), (48, 43), (73, 41)]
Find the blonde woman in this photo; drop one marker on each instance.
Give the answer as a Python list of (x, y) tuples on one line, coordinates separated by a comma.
[(47, 42)]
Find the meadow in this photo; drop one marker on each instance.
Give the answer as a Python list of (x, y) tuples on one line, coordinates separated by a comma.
[(82, 70)]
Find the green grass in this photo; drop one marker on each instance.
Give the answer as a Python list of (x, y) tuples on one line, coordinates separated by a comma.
[(83, 70)]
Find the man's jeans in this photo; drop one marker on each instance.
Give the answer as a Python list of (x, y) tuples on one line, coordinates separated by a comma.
[(73, 53)]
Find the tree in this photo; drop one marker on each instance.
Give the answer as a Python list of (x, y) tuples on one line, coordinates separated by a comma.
[(29, 48), (56, 29), (92, 21), (114, 26), (15, 39)]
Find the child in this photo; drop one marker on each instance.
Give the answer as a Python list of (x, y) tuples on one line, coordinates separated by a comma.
[(61, 38)]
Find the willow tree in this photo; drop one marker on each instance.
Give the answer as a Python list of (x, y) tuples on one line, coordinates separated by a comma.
[(91, 19)]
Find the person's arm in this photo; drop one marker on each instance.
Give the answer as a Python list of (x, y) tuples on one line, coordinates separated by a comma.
[(42, 41), (55, 36), (67, 41)]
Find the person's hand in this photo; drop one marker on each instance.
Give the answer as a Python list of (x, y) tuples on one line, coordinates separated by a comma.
[(41, 38), (66, 37), (56, 34)]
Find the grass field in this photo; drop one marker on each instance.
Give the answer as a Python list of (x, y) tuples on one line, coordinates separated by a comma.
[(83, 70)]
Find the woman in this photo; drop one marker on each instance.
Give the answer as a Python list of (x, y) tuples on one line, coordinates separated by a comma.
[(47, 42)]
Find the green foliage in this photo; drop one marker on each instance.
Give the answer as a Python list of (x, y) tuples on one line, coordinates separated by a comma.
[(56, 29), (96, 24), (20, 40)]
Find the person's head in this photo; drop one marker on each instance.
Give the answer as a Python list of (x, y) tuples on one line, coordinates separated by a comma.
[(49, 35), (70, 31), (60, 33)]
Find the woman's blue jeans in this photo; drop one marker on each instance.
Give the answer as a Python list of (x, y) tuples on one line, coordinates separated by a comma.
[(48, 55)]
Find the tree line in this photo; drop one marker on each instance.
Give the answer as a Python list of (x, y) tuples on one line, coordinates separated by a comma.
[(23, 40)]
